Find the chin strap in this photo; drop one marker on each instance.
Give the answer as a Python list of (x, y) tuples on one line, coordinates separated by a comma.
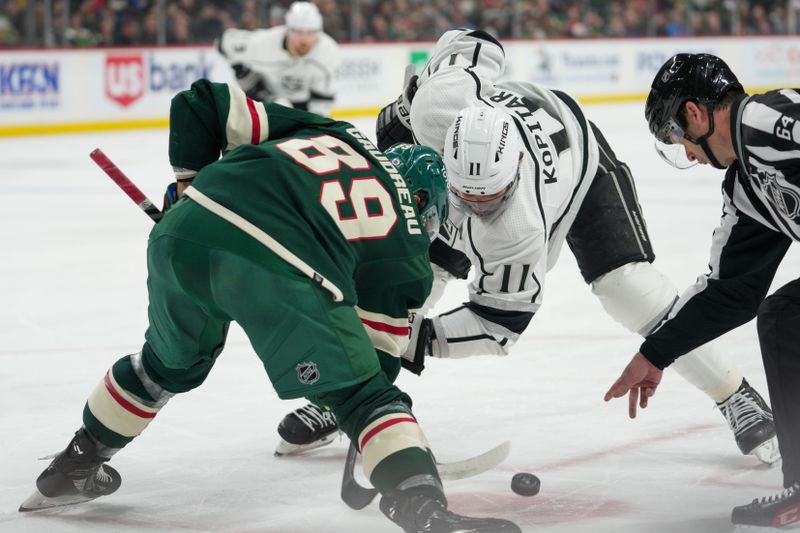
[(703, 140), (711, 158)]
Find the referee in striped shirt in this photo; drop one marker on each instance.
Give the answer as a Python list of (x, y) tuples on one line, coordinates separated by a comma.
[(699, 113)]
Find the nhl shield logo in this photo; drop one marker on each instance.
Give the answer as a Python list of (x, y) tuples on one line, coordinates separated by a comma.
[(307, 372)]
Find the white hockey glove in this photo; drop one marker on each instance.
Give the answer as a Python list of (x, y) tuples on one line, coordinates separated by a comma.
[(394, 120), (420, 344)]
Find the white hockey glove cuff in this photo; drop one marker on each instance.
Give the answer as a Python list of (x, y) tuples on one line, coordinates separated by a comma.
[(420, 344)]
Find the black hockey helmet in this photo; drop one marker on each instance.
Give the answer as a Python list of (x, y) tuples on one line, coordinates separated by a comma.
[(703, 78)]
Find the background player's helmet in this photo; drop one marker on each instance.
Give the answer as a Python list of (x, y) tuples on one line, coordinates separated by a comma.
[(303, 16), (425, 175), (482, 152), (702, 78)]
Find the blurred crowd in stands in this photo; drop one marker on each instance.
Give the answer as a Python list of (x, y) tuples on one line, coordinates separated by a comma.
[(140, 22)]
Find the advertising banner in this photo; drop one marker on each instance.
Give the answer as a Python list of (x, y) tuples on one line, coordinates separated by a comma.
[(44, 91)]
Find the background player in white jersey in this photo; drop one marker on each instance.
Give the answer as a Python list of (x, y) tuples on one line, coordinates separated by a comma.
[(524, 179), (294, 64)]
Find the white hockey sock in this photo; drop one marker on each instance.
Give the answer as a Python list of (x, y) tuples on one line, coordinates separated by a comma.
[(705, 369), (638, 296)]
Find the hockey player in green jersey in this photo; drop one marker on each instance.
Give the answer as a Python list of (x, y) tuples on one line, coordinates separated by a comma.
[(316, 244)]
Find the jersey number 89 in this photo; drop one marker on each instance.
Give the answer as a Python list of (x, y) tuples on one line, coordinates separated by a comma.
[(330, 154)]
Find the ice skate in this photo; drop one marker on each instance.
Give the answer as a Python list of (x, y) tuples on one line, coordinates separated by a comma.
[(750, 419), (304, 429), (776, 511), (76, 475), (419, 513)]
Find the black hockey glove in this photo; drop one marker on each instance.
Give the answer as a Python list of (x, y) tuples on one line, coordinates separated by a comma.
[(252, 83), (394, 120), (390, 129), (420, 344)]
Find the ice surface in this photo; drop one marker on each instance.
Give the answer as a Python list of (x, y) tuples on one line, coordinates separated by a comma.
[(72, 280)]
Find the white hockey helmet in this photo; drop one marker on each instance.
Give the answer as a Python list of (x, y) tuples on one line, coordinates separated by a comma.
[(303, 16), (482, 152)]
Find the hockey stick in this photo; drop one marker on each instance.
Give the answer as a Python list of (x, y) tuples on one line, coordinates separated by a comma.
[(358, 497), (118, 177), (354, 495), (474, 465)]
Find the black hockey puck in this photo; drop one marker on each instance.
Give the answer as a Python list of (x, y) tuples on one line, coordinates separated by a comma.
[(525, 484)]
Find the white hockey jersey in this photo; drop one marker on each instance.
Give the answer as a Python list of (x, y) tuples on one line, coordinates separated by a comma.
[(511, 252), (307, 82)]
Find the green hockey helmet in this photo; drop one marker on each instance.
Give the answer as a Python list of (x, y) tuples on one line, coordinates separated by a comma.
[(424, 172)]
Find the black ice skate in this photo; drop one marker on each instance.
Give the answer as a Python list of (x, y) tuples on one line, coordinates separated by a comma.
[(750, 419), (306, 428), (774, 511), (419, 513), (76, 475)]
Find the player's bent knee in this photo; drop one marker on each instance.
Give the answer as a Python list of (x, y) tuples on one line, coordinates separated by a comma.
[(636, 295)]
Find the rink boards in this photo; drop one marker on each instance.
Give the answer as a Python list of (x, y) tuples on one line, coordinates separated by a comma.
[(65, 90)]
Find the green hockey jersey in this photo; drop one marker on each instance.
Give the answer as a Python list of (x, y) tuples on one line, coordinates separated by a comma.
[(313, 190)]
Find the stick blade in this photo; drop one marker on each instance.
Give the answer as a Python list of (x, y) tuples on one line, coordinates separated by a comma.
[(354, 495), (475, 465)]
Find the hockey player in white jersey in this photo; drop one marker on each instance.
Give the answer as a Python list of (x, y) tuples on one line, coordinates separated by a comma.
[(527, 172), (294, 64)]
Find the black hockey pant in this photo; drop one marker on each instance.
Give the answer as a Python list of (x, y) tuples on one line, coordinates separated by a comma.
[(779, 334), (610, 230)]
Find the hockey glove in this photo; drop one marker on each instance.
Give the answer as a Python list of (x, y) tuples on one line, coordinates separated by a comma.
[(170, 196), (252, 83), (420, 344), (389, 129), (409, 91), (394, 120)]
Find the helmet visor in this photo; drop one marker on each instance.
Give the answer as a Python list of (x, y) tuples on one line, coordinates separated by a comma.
[(671, 132), (675, 155), (669, 147), (483, 208)]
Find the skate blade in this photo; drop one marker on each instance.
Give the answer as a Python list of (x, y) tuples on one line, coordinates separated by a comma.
[(742, 528), (286, 448), (767, 452), (38, 501)]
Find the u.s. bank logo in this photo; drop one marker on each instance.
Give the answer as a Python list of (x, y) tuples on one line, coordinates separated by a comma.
[(307, 372), (124, 78)]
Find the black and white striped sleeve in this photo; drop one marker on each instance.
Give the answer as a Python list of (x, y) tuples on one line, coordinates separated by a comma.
[(770, 125), (745, 255)]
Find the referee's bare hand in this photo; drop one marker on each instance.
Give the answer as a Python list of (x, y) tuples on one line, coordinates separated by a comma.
[(639, 381)]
